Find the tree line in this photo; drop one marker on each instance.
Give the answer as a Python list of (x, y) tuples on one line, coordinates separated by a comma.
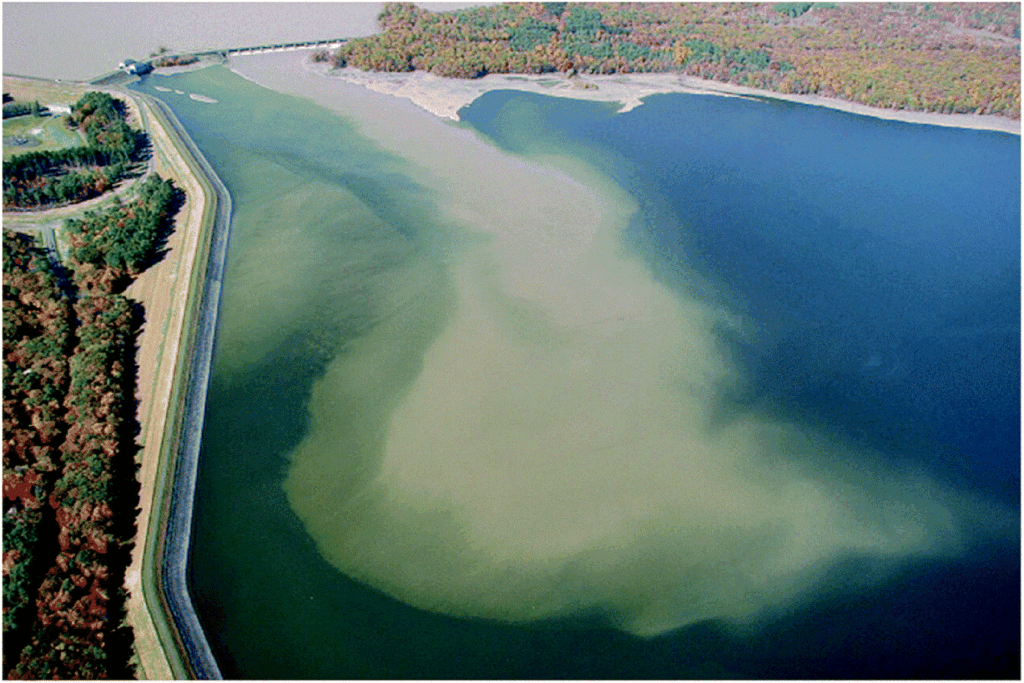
[(174, 60), (121, 238), (13, 109), (40, 179), (70, 487), (948, 57)]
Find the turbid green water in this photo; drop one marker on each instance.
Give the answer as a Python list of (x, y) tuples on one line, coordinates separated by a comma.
[(443, 371), (324, 254)]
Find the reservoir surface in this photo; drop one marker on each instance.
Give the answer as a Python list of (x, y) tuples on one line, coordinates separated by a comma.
[(716, 387)]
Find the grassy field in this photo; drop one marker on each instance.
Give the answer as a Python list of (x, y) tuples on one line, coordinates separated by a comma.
[(41, 133), (46, 92), (46, 132)]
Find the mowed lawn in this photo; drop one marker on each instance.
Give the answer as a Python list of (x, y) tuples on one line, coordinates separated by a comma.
[(53, 133), (40, 133)]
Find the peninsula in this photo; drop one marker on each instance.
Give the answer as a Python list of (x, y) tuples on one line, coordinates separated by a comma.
[(952, 58)]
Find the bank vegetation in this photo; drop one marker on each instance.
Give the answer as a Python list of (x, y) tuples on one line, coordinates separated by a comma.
[(69, 438), (935, 57)]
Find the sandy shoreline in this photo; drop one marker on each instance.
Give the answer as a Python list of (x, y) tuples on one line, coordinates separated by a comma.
[(445, 96)]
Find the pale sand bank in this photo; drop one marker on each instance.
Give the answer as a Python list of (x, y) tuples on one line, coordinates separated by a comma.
[(445, 96), (556, 451)]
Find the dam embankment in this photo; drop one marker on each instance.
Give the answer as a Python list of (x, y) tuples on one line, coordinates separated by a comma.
[(194, 379), (181, 299)]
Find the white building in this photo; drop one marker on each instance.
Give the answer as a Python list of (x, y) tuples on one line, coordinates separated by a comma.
[(132, 67)]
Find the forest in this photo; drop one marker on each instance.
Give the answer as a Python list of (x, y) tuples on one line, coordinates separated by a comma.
[(69, 429), (937, 57), (42, 179)]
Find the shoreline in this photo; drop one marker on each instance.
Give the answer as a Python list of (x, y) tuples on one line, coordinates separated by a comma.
[(444, 97), (181, 302), (159, 348), (168, 644), (190, 288), (165, 354), (552, 259)]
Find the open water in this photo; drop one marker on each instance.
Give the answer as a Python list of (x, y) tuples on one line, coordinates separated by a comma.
[(878, 260), (758, 417), (85, 40)]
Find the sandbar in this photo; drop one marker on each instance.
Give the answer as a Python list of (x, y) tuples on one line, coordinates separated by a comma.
[(445, 96)]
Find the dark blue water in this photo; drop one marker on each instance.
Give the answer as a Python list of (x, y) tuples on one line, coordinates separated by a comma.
[(878, 262), (877, 266)]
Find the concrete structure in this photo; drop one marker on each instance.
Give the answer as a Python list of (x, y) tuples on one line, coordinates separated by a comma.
[(130, 66), (224, 53), (287, 47)]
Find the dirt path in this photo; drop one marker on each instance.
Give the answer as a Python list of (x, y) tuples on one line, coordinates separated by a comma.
[(163, 290), (59, 213)]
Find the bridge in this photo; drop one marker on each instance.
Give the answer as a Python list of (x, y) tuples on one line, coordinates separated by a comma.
[(119, 77), (226, 52), (285, 47)]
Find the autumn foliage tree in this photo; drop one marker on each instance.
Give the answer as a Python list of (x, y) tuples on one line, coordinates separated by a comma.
[(37, 340), (948, 57), (70, 488), (40, 179), (121, 240)]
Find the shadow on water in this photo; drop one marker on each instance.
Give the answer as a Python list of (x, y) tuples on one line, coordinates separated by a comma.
[(393, 197)]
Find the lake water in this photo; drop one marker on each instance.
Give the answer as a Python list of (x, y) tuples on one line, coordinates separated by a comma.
[(83, 40), (713, 388), (876, 259)]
